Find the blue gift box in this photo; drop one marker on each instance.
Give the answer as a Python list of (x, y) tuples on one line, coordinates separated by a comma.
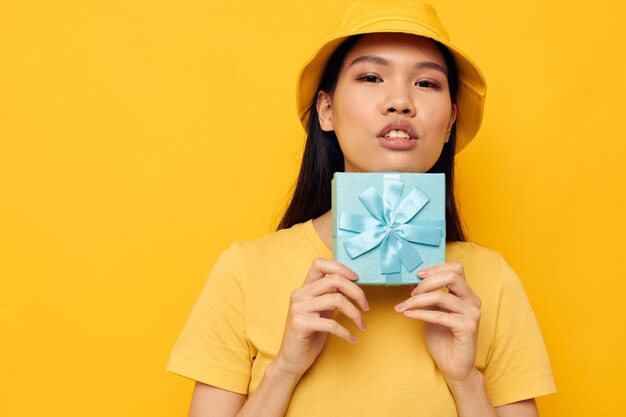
[(387, 226)]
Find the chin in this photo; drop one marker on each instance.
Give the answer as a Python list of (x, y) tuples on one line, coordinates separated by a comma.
[(405, 163), (392, 168), (409, 170), (389, 166), (405, 168)]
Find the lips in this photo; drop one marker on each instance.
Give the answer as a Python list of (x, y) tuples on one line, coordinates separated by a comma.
[(398, 141), (398, 125)]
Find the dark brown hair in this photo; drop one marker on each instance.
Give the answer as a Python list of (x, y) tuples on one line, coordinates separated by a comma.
[(323, 157)]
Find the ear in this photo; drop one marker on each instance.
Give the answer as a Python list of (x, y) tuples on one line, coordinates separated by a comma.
[(451, 122), (324, 108)]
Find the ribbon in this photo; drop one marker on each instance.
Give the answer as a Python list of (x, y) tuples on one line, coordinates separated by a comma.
[(387, 226)]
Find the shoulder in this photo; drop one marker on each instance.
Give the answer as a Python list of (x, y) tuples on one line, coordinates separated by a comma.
[(271, 266), (271, 242), (471, 252), (474, 257), (278, 252), (486, 270), (262, 262)]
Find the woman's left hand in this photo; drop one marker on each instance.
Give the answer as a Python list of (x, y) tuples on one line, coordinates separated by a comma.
[(450, 319)]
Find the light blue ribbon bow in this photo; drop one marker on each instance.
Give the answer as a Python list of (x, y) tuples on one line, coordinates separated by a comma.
[(387, 226)]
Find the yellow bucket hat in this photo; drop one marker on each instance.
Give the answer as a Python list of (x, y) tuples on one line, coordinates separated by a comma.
[(405, 16)]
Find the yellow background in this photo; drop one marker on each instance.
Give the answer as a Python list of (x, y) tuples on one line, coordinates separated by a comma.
[(138, 139)]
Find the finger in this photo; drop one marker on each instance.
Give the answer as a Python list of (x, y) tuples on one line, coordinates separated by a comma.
[(444, 271), (450, 280), (330, 302), (446, 266), (336, 283), (442, 300), (442, 279), (457, 324), (322, 267), (311, 324)]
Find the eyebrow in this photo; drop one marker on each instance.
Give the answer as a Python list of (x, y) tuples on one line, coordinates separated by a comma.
[(382, 61)]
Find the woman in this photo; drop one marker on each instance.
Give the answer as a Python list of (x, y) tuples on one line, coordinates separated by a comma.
[(389, 92)]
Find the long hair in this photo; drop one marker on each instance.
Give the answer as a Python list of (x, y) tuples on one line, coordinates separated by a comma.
[(323, 157)]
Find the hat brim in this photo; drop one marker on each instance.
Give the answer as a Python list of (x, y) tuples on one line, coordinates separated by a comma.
[(471, 91)]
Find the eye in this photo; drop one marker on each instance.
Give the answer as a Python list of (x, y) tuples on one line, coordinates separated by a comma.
[(427, 84), (369, 78)]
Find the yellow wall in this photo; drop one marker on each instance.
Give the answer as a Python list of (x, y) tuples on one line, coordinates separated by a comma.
[(139, 138)]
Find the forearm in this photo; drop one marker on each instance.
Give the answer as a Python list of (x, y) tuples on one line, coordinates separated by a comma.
[(272, 397), (471, 398)]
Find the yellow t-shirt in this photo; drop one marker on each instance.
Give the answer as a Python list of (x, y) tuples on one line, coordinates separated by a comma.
[(236, 327)]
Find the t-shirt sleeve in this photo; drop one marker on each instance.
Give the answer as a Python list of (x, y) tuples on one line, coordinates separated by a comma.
[(213, 347), (518, 367)]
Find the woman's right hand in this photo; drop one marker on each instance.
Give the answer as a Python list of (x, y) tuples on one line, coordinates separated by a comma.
[(329, 286)]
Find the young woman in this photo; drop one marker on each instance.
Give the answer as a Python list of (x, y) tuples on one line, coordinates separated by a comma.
[(273, 332)]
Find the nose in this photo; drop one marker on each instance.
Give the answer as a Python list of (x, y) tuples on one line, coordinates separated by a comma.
[(398, 100)]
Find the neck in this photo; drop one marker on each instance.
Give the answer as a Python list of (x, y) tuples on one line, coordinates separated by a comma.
[(324, 228)]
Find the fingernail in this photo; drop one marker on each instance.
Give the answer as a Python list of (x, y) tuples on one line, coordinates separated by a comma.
[(399, 307), (423, 273), (366, 306), (363, 325), (353, 338), (355, 275)]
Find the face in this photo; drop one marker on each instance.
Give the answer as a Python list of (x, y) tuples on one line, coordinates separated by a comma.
[(391, 109)]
